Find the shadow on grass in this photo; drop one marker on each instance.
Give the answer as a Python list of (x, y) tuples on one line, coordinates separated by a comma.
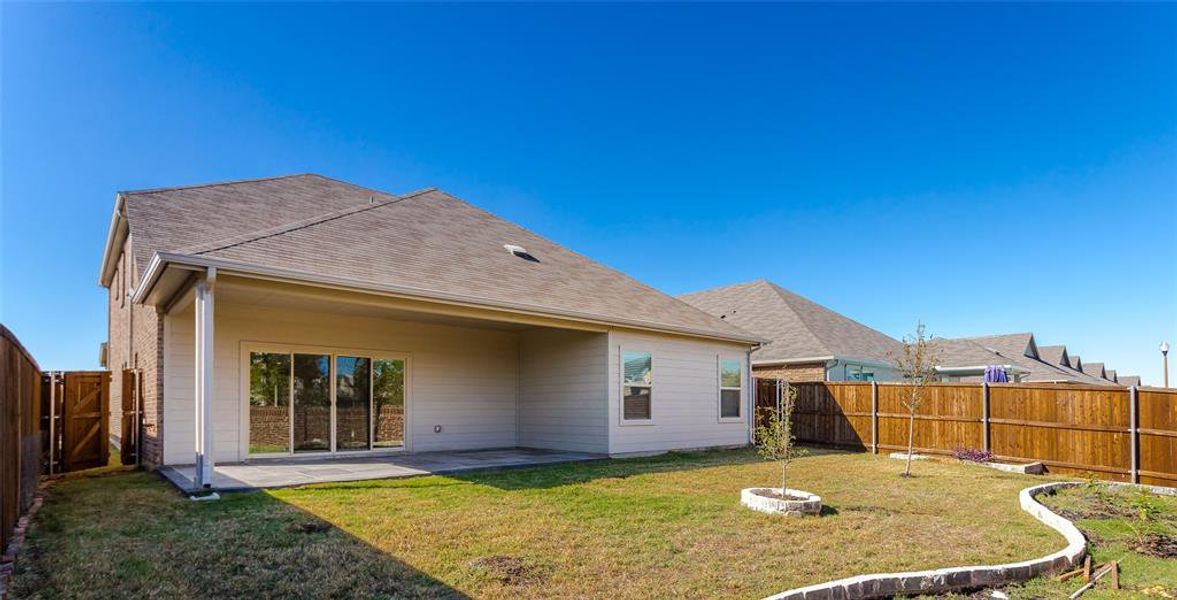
[(130, 535)]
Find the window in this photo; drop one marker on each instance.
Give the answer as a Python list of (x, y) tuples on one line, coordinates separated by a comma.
[(730, 386), (859, 373), (637, 386)]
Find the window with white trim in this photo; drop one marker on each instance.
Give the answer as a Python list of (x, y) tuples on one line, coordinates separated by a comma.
[(730, 387), (637, 386)]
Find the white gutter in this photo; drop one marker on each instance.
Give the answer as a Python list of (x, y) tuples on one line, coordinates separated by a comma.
[(160, 261), (115, 236), (791, 361)]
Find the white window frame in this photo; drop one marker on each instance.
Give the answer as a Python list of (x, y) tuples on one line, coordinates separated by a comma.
[(621, 352), (719, 388), (332, 353)]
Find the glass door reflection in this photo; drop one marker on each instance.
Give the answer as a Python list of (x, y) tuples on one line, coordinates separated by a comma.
[(312, 402), (353, 402)]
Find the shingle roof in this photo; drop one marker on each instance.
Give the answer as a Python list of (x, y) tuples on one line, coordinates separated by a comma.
[(1110, 374), (1130, 380), (1055, 355), (1018, 349), (427, 240), (1095, 369), (798, 327)]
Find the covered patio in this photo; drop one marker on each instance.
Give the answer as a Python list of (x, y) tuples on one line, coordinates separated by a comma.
[(288, 472)]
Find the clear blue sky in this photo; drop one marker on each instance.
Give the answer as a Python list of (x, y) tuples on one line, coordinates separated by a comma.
[(984, 168)]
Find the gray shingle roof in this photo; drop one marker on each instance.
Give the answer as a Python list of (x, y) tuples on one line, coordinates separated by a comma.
[(1055, 355), (1110, 374), (798, 327), (1018, 349), (1130, 380), (427, 240), (1095, 369)]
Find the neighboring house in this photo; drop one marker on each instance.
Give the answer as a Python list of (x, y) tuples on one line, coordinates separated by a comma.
[(809, 342), (1130, 380), (965, 359), (305, 315)]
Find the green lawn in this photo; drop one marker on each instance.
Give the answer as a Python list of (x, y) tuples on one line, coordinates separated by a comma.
[(1116, 522), (668, 526)]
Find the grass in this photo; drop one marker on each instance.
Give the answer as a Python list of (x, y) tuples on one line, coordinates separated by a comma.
[(1114, 522), (640, 528)]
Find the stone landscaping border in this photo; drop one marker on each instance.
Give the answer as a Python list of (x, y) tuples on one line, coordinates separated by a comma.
[(7, 560), (959, 578), (805, 504)]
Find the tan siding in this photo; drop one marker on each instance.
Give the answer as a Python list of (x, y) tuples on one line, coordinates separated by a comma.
[(562, 390), (463, 379), (685, 395)]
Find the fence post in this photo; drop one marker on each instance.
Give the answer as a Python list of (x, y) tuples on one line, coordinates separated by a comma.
[(1134, 433), (874, 417), (985, 416)]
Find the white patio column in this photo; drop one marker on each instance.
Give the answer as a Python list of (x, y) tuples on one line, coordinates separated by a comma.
[(204, 379)]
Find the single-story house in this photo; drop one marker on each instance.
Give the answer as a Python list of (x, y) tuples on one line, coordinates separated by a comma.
[(1129, 380), (303, 315), (809, 342), (965, 359)]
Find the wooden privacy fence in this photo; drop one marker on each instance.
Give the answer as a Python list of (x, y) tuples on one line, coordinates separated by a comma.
[(20, 432), (1113, 433)]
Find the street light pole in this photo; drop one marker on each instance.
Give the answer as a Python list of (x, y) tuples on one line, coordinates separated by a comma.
[(1165, 361)]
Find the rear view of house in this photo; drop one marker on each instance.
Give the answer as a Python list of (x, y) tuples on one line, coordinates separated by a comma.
[(809, 342), (303, 315)]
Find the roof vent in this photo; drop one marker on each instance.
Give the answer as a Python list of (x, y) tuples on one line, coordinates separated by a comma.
[(521, 252)]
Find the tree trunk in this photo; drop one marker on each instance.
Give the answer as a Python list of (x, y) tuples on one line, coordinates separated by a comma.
[(910, 440), (784, 479)]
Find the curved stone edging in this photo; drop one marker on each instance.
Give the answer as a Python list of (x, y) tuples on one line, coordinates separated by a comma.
[(957, 578), (809, 504)]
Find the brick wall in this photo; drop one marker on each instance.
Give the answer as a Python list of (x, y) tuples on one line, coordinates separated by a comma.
[(796, 372), (141, 349)]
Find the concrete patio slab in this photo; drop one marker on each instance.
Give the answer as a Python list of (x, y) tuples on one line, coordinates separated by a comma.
[(294, 471)]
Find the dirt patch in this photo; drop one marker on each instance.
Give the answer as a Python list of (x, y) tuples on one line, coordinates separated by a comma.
[(776, 496), (874, 510), (1155, 544), (1095, 509), (510, 570), (310, 527)]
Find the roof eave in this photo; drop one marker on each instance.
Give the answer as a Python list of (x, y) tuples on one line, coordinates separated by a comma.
[(160, 262), (115, 236)]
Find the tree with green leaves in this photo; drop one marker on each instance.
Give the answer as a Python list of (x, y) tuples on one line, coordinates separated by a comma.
[(917, 364), (774, 433)]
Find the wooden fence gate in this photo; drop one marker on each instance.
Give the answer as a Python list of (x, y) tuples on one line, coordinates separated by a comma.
[(76, 404)]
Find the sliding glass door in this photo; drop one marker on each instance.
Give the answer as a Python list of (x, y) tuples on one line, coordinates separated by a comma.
[(388, 394), (325, 402), (312, 403), (269, 403), (353, 402)]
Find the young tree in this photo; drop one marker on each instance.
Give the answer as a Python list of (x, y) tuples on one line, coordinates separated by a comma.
[(774, 433), (917, 363)]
